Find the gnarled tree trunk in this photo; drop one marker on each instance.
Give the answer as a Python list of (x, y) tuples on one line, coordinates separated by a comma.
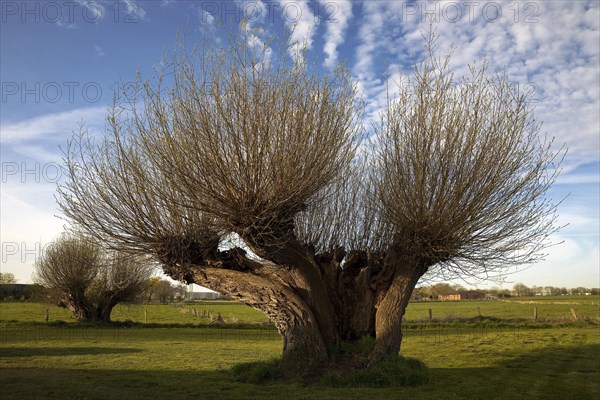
[(78, 305), (389, 315), (81, 312), (104, 309), (315, 302), (86, 310), (304, 348)]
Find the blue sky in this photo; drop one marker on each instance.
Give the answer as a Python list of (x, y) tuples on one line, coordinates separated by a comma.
[(61, 63)]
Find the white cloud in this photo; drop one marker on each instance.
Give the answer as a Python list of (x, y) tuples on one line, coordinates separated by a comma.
[(134, 9), (370, 31), (40, 152), (577, 179), (557, 67), (336, 28), (51, 125), (254, 10), (167, 3), (66, 25), (41, 138), (255, 13), (206, 17), (99, 51), (94, 10), (301, 22)]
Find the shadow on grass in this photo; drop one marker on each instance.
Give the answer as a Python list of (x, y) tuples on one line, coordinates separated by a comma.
[(141, 325), (556, 373), (569, 372), (6, 352)]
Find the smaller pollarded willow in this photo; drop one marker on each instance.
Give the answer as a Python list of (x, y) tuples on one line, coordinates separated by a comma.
[(88, 279)]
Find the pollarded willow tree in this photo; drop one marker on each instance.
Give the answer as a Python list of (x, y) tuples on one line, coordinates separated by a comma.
[(247, 142), (88, 280)]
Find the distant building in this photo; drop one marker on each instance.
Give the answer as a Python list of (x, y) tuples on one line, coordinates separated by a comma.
[(449, 297), (466, 295), (203, 295)]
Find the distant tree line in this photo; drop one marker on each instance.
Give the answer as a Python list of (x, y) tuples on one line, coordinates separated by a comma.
[(521, 290), (153, 289), (432, 292), (162, 291), (22, 292), (7, 278)]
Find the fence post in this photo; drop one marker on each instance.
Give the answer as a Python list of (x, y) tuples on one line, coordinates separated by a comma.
[(145, 316), (430, 314), (478, 311), (574, 314), (47, 314), (535, 314)]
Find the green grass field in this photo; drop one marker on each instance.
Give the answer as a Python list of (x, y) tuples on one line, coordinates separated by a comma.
[(180, 314), (179, 356), (556, 309), (548, 308)]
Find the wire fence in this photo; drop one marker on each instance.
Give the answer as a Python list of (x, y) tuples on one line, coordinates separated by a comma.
[(74, 333), (424, 334)]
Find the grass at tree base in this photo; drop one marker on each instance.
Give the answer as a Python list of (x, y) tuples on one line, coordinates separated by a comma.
[(399, 372)]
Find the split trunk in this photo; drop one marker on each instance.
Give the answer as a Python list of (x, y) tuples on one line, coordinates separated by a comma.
[(315, 300)]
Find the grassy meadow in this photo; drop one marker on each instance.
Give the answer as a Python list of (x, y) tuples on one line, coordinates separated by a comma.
[(551, 308), (180, 355), (152, 314)]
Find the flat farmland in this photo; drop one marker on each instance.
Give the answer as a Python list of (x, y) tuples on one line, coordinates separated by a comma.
[(557, 309), (552, 308), (180, 355)]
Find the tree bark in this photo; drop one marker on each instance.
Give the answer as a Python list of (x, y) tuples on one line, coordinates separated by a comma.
[(104, 310), (390, 312), (299, 270), (87, 311), (78, 305), (81, 313), (304, 349), (350, 291)]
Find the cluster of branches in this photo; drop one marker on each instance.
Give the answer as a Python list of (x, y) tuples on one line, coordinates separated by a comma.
[(253, 144), (7, 278), (87, 279)]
